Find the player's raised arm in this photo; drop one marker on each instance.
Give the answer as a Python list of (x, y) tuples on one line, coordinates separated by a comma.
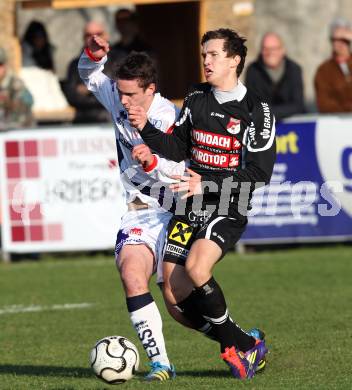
[(173, 144), (97, 48), (90, 68)]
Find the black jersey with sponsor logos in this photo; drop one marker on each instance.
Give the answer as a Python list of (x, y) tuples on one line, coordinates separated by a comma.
[(232, 142)]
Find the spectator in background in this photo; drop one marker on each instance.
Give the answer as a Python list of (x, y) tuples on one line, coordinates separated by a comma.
[(333, 79), (276, 78), (88, 108), (38, 70), (36, 48), (126, 23), (15, 100)]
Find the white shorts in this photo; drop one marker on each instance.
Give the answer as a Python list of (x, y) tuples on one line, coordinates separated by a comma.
[(148, 227)]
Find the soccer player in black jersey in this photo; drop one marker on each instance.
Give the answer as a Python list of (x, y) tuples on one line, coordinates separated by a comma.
[(228, 135)]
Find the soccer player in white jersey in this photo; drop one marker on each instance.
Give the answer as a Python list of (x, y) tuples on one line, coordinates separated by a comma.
[(140, 240)]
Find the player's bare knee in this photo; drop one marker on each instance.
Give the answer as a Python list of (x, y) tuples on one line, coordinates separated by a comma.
[(197, 274), (134, 281)]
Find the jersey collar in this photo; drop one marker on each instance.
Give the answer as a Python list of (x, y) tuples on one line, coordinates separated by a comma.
[(236, 93)]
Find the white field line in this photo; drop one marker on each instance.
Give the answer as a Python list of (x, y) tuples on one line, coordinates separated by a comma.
[(14, 309)]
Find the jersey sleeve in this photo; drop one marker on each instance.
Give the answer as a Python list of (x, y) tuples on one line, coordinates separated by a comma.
[(259, 153), (175, 143), (96, 81), (162, 169)]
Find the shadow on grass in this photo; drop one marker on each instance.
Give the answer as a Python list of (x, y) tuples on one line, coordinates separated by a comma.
[(196, 374), (30, 370), (79, 372)]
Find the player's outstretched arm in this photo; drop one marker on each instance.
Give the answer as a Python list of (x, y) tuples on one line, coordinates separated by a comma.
[(155, 166), (174, 146)]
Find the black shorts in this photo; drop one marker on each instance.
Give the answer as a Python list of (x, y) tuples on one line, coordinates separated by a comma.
[(185, 229)]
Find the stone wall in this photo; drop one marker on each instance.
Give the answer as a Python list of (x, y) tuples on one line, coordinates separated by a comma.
[(223, 13), (65, 29), (7, 30), (303, 25)]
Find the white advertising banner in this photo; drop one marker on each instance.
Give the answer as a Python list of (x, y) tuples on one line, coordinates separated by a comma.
[(60, 189)]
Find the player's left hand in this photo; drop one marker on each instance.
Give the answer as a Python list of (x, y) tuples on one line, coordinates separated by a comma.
[(143, 155), (191, 184)]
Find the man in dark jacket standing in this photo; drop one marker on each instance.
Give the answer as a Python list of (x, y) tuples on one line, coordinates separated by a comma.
[(276, 78)]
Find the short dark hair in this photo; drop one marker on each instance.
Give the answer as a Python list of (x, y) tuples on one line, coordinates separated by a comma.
[(233, 44), (140, 66), (124, 14)]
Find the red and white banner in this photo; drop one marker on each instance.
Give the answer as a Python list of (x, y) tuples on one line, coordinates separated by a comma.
[(60, 189)]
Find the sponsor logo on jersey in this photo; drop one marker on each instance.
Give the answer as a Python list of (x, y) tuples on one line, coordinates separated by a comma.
[(234, 160), (157, 123), (196, 92), (236, 144), (181, 233), (217, 114), (199, 216), (213, 140), (234, 126), (265, 133), (261, 138), (136, 231), (219, 160), (177, 250), (221, 238)]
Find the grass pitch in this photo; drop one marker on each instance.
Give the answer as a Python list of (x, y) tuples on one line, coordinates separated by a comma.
[(301, 298)]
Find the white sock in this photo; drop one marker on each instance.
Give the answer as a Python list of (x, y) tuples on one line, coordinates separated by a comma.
[(148, 324)]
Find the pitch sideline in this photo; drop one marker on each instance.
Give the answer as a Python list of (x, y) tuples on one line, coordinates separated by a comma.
[(15, 309)]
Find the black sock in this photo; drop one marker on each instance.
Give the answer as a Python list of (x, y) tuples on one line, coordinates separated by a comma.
[(244, 341), (211, 304), (189, 309)]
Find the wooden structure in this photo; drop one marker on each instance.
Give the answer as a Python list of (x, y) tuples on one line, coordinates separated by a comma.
[(173, 27)]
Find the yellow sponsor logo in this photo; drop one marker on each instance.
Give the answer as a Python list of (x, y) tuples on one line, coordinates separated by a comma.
[(287, 143), (181, 233)]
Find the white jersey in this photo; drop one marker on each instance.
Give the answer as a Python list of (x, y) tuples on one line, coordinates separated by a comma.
[(147, 186)]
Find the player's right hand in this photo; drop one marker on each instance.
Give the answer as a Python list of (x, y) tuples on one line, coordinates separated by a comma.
[(137, 117), (98, 46)]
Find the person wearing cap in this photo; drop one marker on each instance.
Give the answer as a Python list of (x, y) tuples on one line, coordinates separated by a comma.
[(15, 99), (333, 79)]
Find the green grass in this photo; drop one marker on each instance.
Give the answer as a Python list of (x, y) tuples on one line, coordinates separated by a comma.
[(301, 298)]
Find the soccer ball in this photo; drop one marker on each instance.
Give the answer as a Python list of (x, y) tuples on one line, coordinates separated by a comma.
[(114, 359)]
